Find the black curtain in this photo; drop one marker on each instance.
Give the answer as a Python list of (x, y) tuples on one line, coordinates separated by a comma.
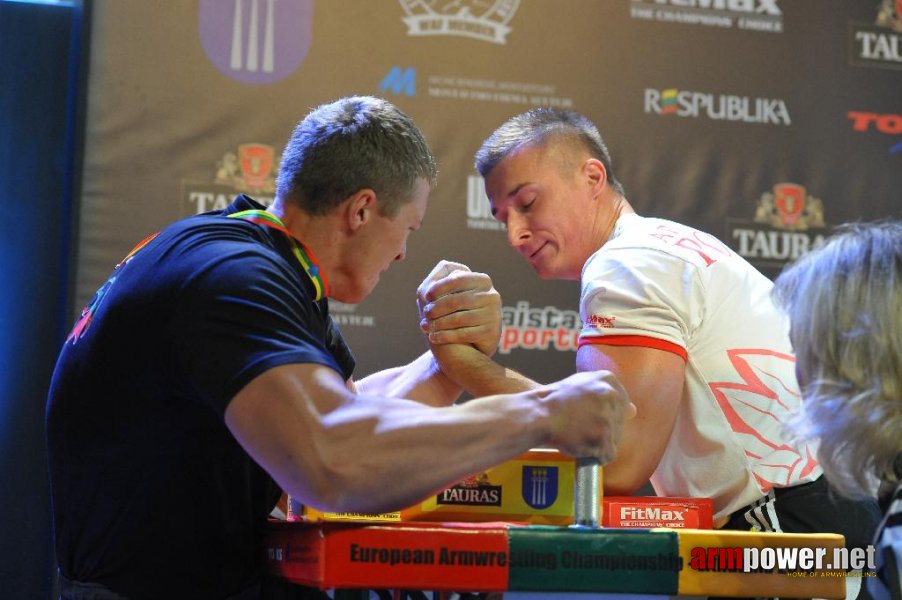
[(41, 92)]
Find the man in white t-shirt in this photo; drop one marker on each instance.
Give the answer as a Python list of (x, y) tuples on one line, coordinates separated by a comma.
[(686, 324)]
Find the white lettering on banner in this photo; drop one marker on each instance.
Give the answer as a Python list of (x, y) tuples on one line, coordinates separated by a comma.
[(693, 19), (879, 46), (774, 245), (720, 107), (352, 319), (769, 7), (755, 15), (489, 90), (478, 206), (479, 210), (204, 201), (200, 200), (529, 328)]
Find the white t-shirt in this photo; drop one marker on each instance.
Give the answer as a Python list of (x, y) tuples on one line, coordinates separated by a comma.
[(663, 285)]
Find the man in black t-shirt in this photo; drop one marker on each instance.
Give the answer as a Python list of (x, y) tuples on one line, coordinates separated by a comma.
[(206, 375)]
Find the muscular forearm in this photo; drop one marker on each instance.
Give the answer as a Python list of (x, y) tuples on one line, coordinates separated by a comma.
[(478, 374), (422, 380), (341, 451), (386, 454)]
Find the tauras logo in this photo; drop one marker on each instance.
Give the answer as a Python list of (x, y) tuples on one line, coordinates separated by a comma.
[(878, 45), (717, 107), (471, 493), (651, 513), (788, 223), (250, 169)]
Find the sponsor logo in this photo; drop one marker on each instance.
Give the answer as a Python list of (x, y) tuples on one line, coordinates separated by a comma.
[(880, 44), (601, 322), (249, 169), (752, 15), (717, 107), (797, 562), (887, 124), (528, 328), (484, 20), (651, 513), (256, 41), (346, 314), (89, 311), (479, 210), (790, 207), (474, 491), (539, 486), (788, 223), (490, 90), (400, 81)]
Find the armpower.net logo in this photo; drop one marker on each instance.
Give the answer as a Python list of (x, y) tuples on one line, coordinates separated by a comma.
[(794, 562)]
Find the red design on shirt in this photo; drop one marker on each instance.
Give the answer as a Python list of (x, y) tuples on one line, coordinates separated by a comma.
[(708, 247), (757, 411)]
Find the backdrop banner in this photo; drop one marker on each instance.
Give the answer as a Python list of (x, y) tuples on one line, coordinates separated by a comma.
[(763, 122)]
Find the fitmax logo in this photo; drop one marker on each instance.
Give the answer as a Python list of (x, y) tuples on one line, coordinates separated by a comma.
[(400, 81), (768, 7)]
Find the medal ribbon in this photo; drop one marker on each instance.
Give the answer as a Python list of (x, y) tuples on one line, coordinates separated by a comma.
[(301, 252)]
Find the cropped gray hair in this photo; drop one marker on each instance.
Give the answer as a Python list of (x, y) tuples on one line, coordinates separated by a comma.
[(350, 144), (844, 302), (539, 126)]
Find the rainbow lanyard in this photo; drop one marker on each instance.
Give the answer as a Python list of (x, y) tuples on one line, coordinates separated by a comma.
[(301, 252)]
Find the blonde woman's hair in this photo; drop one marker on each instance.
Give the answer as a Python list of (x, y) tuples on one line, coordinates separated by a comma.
[(844, 302)]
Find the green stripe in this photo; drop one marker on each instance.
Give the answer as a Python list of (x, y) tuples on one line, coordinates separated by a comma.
[(584, 560)]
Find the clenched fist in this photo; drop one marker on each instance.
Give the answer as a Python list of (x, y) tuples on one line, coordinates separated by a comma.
[(586, 413), (458, 306)]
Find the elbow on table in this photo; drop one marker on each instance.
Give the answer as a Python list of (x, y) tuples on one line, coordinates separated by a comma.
[(331, 486)]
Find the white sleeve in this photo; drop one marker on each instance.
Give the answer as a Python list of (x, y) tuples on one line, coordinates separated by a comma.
[(642, 293)]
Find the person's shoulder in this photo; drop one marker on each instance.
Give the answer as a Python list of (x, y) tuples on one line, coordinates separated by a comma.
[(637, 239), (663, 239)]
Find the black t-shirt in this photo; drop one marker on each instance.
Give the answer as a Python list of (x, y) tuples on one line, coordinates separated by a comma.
[(152, 496)]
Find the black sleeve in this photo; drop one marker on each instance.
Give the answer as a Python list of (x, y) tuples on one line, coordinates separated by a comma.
[(241, 312), (340, 350)]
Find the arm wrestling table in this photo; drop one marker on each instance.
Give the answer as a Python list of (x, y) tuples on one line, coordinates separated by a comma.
[(504, 556), (498, 557)]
